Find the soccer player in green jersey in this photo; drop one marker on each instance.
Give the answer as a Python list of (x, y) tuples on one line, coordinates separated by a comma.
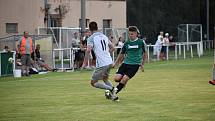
[(132, 56)]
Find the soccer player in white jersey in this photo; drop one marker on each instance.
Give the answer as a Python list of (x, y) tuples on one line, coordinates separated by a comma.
[(102, 47)]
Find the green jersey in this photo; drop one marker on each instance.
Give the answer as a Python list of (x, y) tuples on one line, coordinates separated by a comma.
[(133, 51)]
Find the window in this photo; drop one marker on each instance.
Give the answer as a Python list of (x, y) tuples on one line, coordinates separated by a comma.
[(87, 22), (12, 27), (54, 23), (55, 20), (107, 23)]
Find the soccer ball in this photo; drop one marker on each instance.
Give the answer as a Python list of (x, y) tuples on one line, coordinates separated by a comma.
[(107, 94)]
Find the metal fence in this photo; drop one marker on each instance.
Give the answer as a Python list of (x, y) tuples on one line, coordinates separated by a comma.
[(45, 41)]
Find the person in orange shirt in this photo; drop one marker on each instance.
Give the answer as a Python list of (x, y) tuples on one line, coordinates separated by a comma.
[(26, 48)]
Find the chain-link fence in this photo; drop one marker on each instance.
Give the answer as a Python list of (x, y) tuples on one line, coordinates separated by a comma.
[(116, 33), (45, 41)]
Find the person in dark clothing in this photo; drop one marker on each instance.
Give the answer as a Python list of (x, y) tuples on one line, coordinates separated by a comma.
[(37, 58)]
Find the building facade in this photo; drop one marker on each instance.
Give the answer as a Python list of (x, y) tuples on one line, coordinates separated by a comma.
[(17, 16)]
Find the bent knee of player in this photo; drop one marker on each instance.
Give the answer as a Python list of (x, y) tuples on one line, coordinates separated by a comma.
[(125, 79), (93, 83), (105, 77), (118, 78)]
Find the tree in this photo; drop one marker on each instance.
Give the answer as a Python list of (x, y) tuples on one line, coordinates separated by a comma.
[(151, 16)]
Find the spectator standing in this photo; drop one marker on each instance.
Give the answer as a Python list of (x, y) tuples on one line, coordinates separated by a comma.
[(75, 40), (119, 45), (78, 53), (157, 47), (161, 35), (165, 43), (171, 38), (26, 48)]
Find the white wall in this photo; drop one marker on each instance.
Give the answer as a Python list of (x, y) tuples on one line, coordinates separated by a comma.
[(26, 13), (97, 11), (29, 14)]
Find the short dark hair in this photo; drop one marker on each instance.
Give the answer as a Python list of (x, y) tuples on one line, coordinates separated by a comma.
[(133, 29), (93, 26), (25, 32)]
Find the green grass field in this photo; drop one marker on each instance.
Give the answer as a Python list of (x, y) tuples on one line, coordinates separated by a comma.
[(166, 91)]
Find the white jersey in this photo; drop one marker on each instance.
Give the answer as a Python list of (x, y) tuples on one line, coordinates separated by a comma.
[(100, 44), (158, 46)]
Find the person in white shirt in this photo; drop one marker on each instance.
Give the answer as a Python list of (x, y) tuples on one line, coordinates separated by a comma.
[(161, 34), (75, 40), (157, 47), (6, 49), (102, 47)]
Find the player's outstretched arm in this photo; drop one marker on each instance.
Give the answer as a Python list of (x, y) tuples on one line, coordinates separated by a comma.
[(118, 60), (144, 57), (111, 46)]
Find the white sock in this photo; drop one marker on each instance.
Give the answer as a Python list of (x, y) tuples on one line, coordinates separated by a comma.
[(102, 86), (108, 83)]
